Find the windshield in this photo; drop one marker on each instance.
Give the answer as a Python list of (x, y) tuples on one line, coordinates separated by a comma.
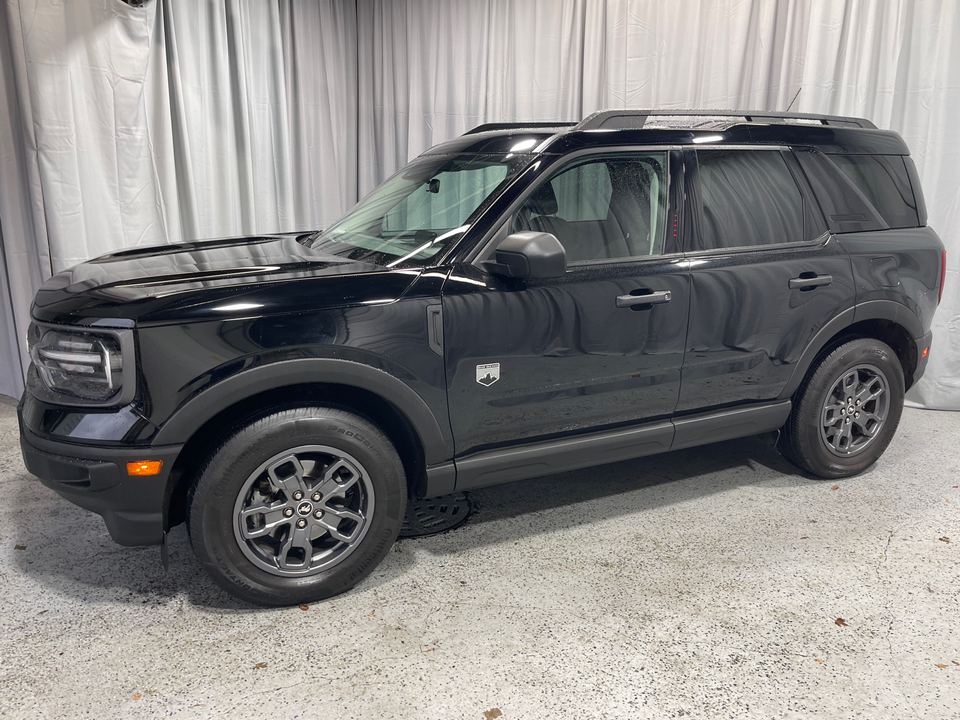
[(420, 211)]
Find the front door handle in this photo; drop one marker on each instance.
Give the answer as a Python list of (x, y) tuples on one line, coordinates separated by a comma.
[(808, 283), (655, 298)]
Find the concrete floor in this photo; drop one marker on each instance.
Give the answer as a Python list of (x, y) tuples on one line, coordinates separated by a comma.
[(703, 584)]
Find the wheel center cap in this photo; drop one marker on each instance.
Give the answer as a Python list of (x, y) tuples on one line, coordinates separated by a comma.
[(304, 508)]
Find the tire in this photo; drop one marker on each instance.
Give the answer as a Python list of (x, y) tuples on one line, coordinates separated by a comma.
[(846, 410), (297, 506)]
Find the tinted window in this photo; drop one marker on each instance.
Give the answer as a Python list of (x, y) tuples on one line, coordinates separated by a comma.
[(602, 207), (845, 207), (748, 198), (883, 180)]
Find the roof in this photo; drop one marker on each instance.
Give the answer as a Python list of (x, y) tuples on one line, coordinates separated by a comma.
[(829, 133)]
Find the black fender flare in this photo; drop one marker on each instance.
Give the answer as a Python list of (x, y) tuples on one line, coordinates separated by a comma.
[(871, 310), (192, 415)]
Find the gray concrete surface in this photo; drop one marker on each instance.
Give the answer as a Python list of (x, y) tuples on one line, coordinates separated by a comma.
[(712, 583)]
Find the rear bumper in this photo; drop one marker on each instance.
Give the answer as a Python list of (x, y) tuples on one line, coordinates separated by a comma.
[(922, 343), (95, 478)]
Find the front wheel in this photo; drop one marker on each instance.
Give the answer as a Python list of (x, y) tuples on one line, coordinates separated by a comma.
[(297, 506), (846, 411)]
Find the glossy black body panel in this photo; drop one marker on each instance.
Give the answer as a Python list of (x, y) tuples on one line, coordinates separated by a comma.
[(226, 279), (748, 328), (570, 359), (899, 266), (181, 361)]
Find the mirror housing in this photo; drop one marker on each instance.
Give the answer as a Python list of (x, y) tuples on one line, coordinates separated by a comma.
[(529, 255)]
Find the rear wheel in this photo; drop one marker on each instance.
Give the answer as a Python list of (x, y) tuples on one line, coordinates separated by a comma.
[(846, 411), (297, 506)]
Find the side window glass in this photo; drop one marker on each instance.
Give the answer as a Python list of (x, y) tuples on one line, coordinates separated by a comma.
[(884, 181), (602, 208), (748, 198), (583, 192)]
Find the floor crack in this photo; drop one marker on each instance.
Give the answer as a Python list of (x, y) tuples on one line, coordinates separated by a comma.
[(883, 557)]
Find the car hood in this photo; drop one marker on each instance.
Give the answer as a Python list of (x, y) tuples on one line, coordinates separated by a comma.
[(224, 278)]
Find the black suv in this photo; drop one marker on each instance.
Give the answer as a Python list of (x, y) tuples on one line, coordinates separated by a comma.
[(519, 301)]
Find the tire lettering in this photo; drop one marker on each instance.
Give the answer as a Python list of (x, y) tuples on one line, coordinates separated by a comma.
[(384, 537)]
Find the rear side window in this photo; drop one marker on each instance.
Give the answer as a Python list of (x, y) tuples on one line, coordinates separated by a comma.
[(748, 198), (884, 181)]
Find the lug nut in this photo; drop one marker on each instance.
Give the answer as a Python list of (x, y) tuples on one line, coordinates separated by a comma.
[(856, 414), (301, 523), (288, 512), (858, 402), (316, 497), (318, 514), (297, 495)]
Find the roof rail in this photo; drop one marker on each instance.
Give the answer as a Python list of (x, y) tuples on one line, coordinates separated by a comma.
[(635, 119), (486, 127)]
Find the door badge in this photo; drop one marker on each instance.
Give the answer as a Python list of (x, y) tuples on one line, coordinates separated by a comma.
[(488, 374)]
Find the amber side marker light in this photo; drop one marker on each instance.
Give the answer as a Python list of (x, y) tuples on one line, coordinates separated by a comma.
[(926, 351), (144, 467)]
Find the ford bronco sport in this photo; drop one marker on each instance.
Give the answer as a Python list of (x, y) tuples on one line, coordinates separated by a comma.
[(518, 301)]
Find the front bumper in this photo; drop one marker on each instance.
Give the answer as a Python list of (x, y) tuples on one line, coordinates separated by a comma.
[(95, 478)]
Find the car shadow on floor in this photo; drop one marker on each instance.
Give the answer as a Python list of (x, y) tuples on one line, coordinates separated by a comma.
[(582, 497), (69, 551)]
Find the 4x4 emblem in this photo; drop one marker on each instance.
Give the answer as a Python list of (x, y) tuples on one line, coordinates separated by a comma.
[(488, 374)]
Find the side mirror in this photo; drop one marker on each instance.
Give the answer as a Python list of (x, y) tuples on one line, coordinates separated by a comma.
[(530, 255)]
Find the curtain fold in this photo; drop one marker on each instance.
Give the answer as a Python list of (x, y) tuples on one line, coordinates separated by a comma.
[(184, 119)]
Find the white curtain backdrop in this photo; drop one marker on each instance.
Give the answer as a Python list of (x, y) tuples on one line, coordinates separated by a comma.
[(198, 118)]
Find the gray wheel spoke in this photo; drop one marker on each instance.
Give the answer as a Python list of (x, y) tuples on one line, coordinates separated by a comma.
[(868, 423), (849, 382), (333, 527), (331, 487), (841, 434), (342, 513), (831, 415), (299, 539), (272, 519), (288, 483), (869, 391)]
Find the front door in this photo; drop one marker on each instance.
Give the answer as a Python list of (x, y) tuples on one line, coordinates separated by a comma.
[(599, 347)]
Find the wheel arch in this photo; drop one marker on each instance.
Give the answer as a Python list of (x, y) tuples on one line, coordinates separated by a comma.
[(883, 320), (204, 421)]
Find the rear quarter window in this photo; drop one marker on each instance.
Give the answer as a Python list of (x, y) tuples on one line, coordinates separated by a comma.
[(884, 181)]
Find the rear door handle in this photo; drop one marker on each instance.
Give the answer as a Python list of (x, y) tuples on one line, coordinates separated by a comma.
[(655, 298), (803, 283)]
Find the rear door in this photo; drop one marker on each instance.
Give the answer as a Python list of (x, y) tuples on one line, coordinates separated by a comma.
[(766, 276)]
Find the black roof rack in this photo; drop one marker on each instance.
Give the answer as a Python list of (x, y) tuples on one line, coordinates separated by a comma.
[(635, 119), (486, 127)]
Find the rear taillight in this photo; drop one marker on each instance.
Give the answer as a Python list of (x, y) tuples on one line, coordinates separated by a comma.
[(943, 274)]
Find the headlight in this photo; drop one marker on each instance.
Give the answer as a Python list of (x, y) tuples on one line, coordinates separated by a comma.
[(80, 365)]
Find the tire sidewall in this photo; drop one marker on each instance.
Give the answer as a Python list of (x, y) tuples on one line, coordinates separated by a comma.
[(808, 445), (212, 507)]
